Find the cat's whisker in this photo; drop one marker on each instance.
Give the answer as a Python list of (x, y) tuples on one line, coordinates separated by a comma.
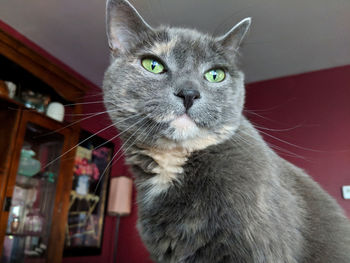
[(65, 105), (88, 103), (136, 139), (91, 95), (292, 144), (259, 115), (285, 152), (238, 139), (292, 154), (278, 130), (88, 113), (72, 148), (271, 108), (75, 122), (237, 142), (81, 114), (88, 138), (149, 133), (207, 112), (121, 133), (110, 163), (133, 143)]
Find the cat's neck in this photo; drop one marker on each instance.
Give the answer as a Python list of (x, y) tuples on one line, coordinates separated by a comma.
[(166, 147), (157, 169), (167, 157)]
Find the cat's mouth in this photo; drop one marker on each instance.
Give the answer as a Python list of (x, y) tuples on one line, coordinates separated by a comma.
[(183, 122), (183, 128)]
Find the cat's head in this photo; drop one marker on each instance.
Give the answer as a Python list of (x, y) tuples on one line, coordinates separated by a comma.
[(172, 86)]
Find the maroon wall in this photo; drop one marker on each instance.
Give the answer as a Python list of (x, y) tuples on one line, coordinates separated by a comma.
[(314, 111), (310, 115)]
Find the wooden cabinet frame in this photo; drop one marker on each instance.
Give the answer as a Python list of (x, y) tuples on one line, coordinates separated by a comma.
[(68, 85)]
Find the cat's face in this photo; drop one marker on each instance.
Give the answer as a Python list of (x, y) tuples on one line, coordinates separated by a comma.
[(171, 85)]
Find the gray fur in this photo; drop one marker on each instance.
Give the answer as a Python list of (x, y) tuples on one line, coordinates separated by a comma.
[(215, 192)]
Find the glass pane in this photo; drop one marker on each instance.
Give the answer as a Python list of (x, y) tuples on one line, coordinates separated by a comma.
[(88, 196), (30, 216)]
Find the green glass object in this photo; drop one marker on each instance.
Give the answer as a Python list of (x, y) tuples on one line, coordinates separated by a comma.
[(50, 177), (215, 75), (28, 166), (152, 65)]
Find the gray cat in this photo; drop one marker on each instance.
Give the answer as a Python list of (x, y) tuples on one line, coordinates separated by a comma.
[(209, 188)]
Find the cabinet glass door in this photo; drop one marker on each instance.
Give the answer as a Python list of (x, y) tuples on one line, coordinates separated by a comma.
[(30, 215)]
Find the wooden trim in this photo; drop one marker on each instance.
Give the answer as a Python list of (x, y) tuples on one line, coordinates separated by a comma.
[(69, 84), (11, 180), (4, 176), (61, 206), (8, 144)]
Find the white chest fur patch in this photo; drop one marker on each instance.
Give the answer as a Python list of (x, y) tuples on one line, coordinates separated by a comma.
[(170, 165), (171, 157)]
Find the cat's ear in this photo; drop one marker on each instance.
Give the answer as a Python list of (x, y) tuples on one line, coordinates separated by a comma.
[(233, 38), (124, 25)]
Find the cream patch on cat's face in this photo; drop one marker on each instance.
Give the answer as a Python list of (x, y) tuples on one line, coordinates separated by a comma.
[(163, 48), (202, 140), (184, 127)]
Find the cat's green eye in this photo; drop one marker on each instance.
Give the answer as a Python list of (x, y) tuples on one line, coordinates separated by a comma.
[(215, 75), (152, 65)]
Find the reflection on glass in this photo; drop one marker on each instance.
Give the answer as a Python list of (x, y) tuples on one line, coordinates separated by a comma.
[(30, 216), (88, 196)]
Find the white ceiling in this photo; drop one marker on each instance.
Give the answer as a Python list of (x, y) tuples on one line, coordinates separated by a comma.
[(287, 36)]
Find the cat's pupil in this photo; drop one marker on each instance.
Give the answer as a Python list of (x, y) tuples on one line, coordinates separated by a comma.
[(154, 64), (214, 74)]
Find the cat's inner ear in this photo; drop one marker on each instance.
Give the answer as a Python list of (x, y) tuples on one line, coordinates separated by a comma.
[(234, 37), (124, 25)]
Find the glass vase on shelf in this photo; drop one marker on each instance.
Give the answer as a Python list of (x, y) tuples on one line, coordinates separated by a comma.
[(34, 222), (28, 166), (83, 184), (14, 222)]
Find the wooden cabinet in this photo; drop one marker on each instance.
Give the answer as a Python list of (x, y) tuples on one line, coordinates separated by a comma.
[(32, 225), (36, 161)]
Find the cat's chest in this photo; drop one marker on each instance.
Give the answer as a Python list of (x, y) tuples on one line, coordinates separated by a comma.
[(166, 170)]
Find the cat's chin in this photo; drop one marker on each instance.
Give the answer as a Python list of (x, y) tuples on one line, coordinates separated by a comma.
[(183, 122), (184, 133), (184, 128)]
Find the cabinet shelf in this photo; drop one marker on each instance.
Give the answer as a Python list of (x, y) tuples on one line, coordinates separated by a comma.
[(24, 234)]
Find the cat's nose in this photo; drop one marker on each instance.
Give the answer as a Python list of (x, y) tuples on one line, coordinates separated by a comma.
[(188, 96)]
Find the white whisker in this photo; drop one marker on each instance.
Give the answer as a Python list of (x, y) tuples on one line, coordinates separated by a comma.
[(73, 123), (87, 103), (120, 149), (91, 95), (291, 144), (109, 126), (284, 151), (66, 152), (277, 130), (116, 136)]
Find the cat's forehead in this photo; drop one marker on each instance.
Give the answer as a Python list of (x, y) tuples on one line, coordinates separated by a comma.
[(183, 44)]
